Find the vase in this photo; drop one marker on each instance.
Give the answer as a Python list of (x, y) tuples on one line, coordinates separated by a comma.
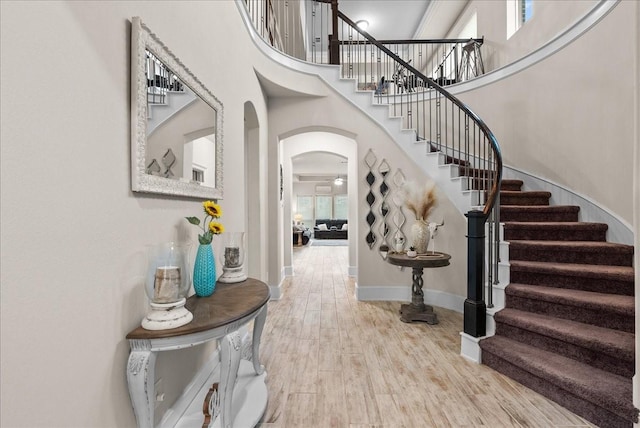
[(204, 271), (420, 236)]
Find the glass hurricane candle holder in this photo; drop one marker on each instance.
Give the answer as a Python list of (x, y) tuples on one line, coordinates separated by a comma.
[(233, 258), (167, 284)]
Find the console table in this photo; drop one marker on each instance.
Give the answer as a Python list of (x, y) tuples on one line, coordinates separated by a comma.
[(417, 310), (217, 317)]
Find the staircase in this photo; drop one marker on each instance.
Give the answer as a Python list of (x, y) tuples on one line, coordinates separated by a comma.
[(567, 330)]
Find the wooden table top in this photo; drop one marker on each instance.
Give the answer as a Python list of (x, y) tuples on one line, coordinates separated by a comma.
[(429, 260), (229, 302)]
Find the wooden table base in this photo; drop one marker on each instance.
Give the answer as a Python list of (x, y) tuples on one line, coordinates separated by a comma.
[(417, 310), (410, 313)]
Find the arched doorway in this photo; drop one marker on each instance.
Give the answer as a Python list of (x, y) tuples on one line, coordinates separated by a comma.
[(327, 144)]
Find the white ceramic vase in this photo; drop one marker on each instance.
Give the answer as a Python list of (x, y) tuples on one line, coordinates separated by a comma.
[(420, 236)]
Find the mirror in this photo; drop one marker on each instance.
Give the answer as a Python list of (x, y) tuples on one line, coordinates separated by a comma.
[(176, 123)]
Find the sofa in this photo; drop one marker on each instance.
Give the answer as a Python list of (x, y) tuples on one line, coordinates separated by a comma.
[(330, 229)]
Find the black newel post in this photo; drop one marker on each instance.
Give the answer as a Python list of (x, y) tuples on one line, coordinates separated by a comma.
[(475, 309), (334, 44)]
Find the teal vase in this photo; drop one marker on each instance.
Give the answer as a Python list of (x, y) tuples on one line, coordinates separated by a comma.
[(204, 271)]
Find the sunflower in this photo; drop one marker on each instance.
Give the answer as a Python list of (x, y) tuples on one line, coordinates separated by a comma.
[(212, 209), (216, 228), (209, 228)]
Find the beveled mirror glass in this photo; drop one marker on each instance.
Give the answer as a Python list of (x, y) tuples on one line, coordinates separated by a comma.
[(176, 123)]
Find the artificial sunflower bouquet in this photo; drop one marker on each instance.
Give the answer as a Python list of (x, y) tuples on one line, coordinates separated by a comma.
[(209, 225)]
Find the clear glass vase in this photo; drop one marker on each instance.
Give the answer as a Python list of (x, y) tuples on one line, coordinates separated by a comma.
[(166, 285), (233, 257)]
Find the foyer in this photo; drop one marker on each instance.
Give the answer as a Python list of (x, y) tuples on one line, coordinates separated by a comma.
[(335, 361)]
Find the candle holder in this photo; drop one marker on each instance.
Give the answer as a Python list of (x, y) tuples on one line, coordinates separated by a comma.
[(233, 258), (167, 285)]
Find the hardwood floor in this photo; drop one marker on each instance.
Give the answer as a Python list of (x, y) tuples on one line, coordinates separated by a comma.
[(335, 362)]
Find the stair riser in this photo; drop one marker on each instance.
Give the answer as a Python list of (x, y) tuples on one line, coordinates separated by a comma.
[(508, 215), (523, 199), (600, 318), (479, 183), (598, 285), (532, 234), (600, 416), (563, 255), (592, 357)]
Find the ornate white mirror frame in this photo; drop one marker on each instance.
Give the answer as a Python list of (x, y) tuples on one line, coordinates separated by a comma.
[(143, 40)]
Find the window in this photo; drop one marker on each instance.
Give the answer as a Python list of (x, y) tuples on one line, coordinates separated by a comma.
[(324, 206), (305, 207), (518, 12), (340, 207), (197, 175)]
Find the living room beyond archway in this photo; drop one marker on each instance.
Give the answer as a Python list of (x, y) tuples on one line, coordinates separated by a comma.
[(320, 199)]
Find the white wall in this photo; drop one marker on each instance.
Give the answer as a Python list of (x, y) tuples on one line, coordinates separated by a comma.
[(73, 233), (295, 114), (569, 118), (549, 19)]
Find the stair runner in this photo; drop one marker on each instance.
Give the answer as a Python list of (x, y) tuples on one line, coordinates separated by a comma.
[(567, 329)]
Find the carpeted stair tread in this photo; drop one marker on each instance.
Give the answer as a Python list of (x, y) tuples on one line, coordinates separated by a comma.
[(531, 197), (587, 252), (539, 213), (620, 273), (608, 341), (603, 389), (555, 231), (612, 303)]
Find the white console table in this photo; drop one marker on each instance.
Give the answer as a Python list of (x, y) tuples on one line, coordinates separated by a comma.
[(217, 317)]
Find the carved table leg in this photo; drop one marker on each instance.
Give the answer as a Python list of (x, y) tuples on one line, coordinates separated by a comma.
[(417, 310), (258, 326), (141, 380), (229, 363)]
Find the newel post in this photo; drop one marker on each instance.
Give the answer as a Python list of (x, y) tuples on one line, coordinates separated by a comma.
[(334, 43), (475, 309)]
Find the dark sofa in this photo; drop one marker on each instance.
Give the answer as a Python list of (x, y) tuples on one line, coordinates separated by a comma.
[(334, 229)]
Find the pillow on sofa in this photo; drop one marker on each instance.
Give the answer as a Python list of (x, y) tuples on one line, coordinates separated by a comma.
[(322, 226), (344, 227)]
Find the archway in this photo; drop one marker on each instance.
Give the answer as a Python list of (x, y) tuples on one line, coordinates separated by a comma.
[(325, 142)]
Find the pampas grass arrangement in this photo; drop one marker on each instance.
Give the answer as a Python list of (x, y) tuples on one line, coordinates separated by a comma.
[(421, 199)]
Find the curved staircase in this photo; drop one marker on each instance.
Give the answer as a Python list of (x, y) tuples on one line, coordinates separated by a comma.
[(567, 329)]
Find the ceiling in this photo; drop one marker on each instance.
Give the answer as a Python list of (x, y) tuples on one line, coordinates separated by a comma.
[(388, 19), (405, 19), (318, 167)]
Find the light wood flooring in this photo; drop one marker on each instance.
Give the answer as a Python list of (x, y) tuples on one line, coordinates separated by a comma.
[(333, 361)]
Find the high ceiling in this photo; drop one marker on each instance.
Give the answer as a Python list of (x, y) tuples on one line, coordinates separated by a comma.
[(388, 19), (405, 19)]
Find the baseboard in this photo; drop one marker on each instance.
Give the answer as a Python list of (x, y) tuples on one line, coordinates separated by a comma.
[(403, 294), (353, 271), (288, 271), (470, 347), (173, 414), (275, 291)]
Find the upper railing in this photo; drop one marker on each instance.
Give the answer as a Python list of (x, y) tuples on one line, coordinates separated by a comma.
[(407, 75)]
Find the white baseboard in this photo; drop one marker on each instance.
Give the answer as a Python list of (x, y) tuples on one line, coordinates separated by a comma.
[(437, 298), (275, 291), (353, 271), (288, 271), (470, 347)]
